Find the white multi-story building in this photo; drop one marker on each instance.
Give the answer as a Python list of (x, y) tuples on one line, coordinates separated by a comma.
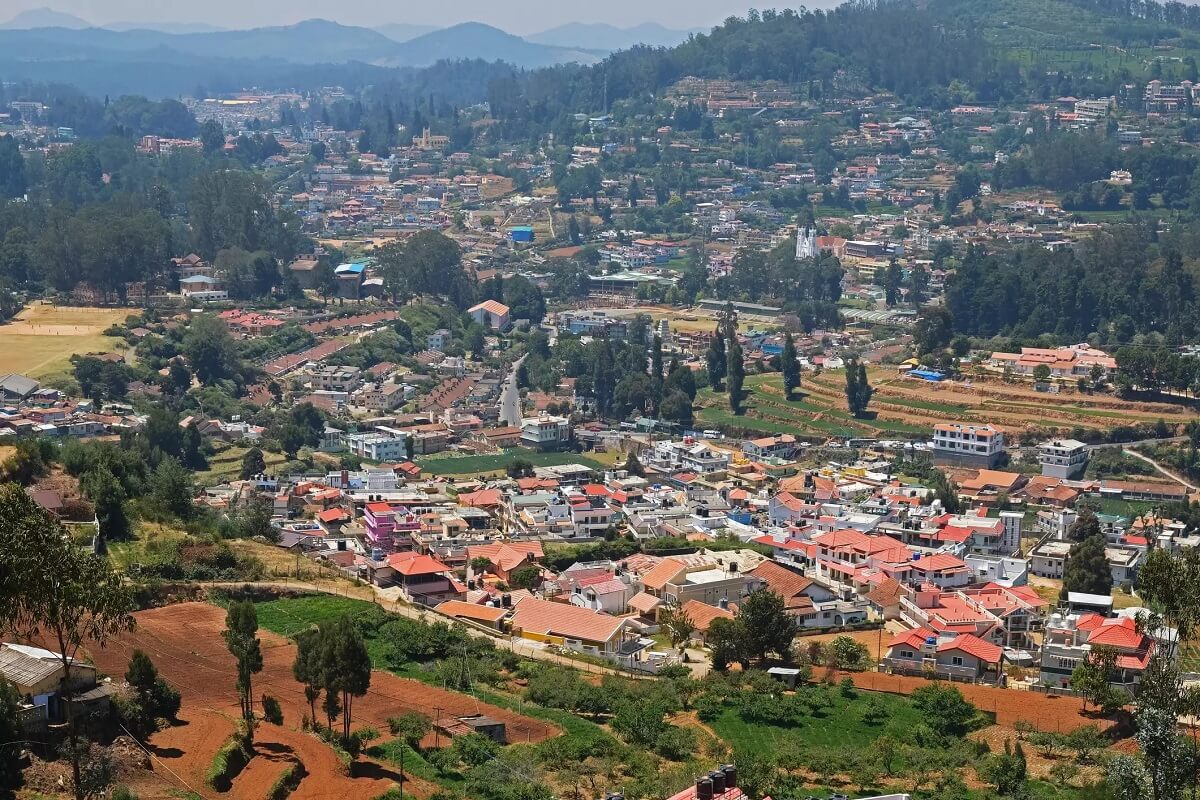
[(545, 431), (967, 444), (336, 379), (686, 456), (1063, 458), (376, 446)]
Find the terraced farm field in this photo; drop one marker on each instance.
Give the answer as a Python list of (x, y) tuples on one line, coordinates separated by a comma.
[(906, 408)]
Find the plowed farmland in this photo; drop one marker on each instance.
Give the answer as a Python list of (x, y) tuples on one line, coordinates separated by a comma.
[(185, 644), (905, 407)]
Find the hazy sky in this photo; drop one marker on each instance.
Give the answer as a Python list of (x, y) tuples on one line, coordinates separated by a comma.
[(516, 16)]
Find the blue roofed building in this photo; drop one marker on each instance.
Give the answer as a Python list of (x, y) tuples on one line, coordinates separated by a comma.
[(350, 280)]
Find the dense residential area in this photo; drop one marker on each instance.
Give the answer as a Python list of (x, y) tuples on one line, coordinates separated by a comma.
[(800, 407)]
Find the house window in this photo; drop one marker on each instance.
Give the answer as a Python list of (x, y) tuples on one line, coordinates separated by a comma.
[(956, 661), (907, 654)]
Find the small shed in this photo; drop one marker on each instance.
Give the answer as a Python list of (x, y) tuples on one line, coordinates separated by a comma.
[(788, 676), (492, 728)]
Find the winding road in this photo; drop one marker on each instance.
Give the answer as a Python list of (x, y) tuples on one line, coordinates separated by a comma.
[(1162, 470)]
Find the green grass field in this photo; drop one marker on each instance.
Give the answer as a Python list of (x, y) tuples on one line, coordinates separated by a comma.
[(476, 465), (842, 726), (1122, 508), (289, 616)]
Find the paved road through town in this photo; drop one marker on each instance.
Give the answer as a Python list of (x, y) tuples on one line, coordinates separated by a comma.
[(510, 396)]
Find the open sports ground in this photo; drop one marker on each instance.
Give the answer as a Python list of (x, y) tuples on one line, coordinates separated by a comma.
[(41, 339)]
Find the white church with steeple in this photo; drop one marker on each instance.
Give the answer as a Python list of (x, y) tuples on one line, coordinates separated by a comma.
[(806, 244)]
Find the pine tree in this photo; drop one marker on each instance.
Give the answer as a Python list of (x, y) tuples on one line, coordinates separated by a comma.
[(858, 389), (241, 637), (865, 390), (717, 362), (656, 359), (736, 371), (253, 463), (790, 366), (943, 491), (852, 388), (604, 379), (1087, 569)]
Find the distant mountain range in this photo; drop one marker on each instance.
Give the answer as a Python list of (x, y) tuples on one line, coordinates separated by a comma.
[(44, 18), (44, 36), (599, 36), (403, 32), (476, 40), (574, 36)]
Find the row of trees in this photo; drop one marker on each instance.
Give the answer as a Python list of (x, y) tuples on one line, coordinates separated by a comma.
[(333, 659), (1156, 370), (1115, 285)]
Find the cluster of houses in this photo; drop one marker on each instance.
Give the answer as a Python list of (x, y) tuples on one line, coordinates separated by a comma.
[(716, 519), (28, 409)]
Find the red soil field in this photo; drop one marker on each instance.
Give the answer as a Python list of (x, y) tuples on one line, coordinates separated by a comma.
[(185, 643), (1049, 713)]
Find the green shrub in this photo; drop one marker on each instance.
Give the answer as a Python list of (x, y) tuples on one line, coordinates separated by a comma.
[(287, 782), (675, 743), (334, 740), (230, 760), (272, 711)]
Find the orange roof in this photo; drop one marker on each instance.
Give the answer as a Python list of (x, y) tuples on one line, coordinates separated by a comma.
[(562, 619), (914, 638), (484, 498), (702, 614), (491, 306), (662, 573), (527, 484), (939, 561), (506, 555), (1122, 634), (973, 645), (783, 581), (333, 515), (463, 610), (414, 564), (644, 603), (789, 501), (991, 477), (887, 593)]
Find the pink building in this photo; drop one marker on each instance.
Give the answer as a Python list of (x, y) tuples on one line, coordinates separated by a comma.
[(386, 521)]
